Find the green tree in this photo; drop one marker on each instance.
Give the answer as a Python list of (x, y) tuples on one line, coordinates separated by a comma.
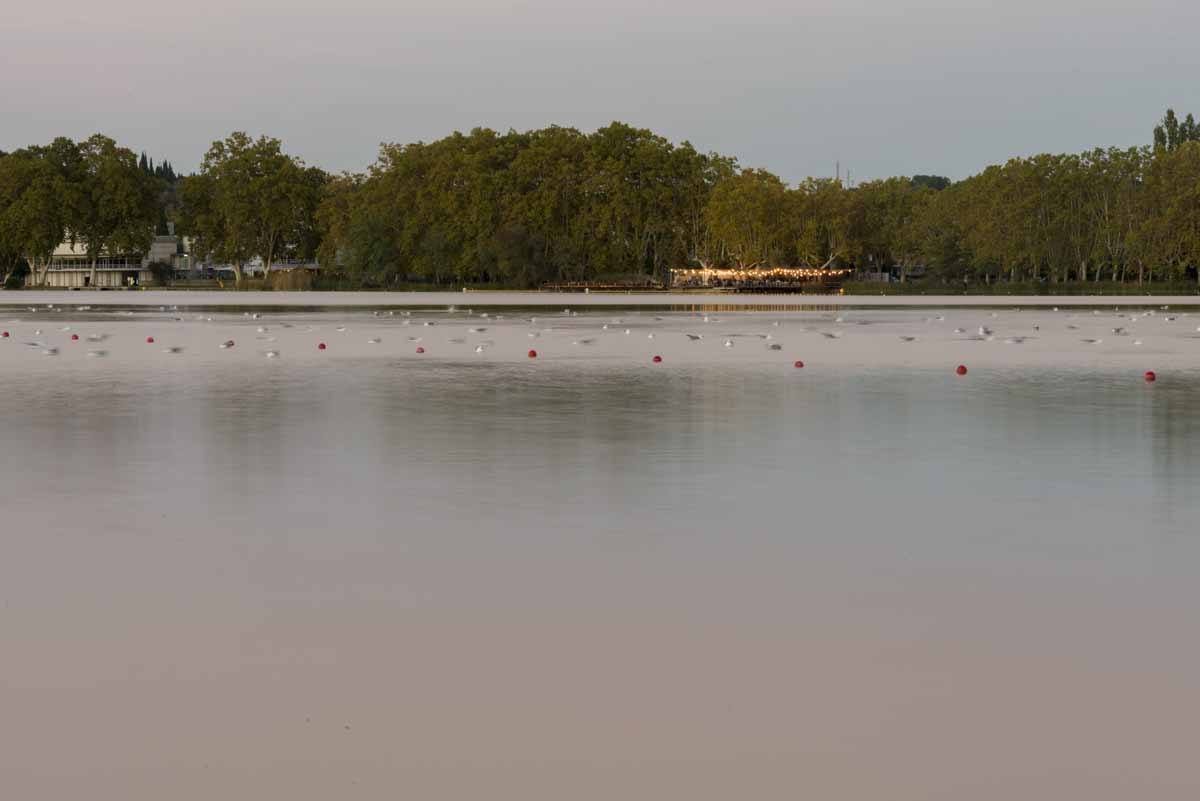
[(116, 204), (1170, 234), (888, 230), (37, 197), (934, 182), (249, 199), (826, 223), (748, 216), (1171, 133), (547, 206)]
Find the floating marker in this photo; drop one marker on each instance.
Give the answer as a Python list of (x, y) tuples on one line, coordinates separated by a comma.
[(74, 337), (961, 369), (798, 364), (150, 340), (321, 346), (532, 354), (1150, 376), (420, 350), (657, 360)]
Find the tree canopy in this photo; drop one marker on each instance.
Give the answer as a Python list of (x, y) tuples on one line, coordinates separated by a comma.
[(621, 203), (560, 205), (115, 203), (1172, 132), (249, 200)]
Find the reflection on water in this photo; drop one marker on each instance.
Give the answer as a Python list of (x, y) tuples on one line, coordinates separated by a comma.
[(458, 579)]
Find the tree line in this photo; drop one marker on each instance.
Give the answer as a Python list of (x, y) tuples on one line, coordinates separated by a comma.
[(619, 204)]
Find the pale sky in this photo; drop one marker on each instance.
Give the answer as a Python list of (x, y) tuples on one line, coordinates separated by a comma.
[(883, 87)]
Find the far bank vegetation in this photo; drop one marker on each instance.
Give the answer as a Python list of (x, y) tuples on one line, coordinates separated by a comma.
[(557, 205)]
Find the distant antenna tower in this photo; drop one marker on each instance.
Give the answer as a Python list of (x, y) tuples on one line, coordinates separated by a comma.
[(837, 172)]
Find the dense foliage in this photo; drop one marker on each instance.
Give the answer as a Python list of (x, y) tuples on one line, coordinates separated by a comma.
[(560, 205), (251, 200), (91, 194), (523, 208)]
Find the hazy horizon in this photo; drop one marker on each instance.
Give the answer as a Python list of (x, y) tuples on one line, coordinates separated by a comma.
[(795, 88)]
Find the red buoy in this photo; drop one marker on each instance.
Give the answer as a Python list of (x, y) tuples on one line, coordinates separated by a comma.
[(961, 370), (4, 335), (420, 349), (1150, 376), (149, 340), (533, 354), (321, 346), (798, 364), (657, 359), (74, 337)]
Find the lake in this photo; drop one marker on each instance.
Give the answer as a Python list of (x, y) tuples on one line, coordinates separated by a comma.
[(363, 572)]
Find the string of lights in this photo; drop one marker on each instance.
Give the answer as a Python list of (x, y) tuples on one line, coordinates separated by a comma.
[(757, 273)]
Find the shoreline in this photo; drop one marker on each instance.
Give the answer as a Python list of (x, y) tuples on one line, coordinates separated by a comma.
[(203, 298)]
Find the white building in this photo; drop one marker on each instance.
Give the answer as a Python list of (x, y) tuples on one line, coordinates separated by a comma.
[(71, 267)]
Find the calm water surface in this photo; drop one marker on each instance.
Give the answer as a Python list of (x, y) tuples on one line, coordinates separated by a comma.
[(369, 579)]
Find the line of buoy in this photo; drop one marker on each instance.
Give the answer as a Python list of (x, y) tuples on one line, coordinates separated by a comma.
[(1149, 376)]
